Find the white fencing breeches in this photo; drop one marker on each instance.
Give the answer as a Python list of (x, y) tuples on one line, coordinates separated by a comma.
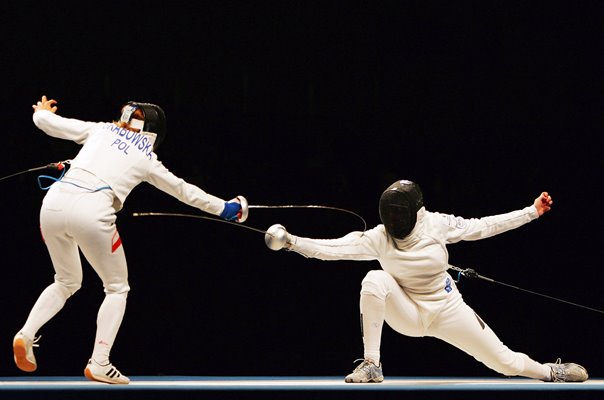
[(74, 218), (456, 324)]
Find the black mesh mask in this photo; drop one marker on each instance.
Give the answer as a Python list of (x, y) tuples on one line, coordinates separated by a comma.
[(154, 119), (399, 205)]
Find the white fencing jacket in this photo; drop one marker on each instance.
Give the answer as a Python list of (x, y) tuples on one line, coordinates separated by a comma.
[(123, 159), (419, 262)]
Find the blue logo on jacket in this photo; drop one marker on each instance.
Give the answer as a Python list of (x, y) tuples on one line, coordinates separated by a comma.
[(448, 287)]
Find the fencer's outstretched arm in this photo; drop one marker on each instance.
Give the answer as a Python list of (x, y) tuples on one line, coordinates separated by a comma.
[(353, 246), (369, 244), (459, 228), (104, 166)]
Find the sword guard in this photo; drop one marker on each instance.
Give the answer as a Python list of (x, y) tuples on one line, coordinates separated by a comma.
[(244, 208)]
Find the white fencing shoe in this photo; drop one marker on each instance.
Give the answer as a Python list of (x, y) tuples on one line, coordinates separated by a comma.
[(366, 372), (104, 373), (24, 352), (567, 372)]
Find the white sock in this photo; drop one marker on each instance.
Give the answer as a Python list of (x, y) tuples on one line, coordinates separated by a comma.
[(373, 310), (108, 323)]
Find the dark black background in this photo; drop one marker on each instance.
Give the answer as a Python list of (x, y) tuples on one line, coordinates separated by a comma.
[(485, 104)]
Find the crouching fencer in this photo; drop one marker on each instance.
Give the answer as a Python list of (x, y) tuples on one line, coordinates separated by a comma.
[(79, 213), (413, 292)]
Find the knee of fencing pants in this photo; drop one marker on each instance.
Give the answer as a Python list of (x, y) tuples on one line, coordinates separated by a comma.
[(117, 288), (377, 283), (69, 287)]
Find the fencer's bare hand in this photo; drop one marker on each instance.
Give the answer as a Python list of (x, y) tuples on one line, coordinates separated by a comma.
[(45, 104), (543, 203)]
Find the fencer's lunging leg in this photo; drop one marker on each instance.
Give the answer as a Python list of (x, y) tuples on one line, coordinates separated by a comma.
[(460, 326)]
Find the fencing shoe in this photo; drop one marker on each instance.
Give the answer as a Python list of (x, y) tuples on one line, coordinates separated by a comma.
[(24, 352), (567, 372), (104, 373), (366, 372)]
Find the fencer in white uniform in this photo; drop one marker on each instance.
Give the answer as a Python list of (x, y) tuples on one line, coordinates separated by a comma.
[(79, 213), (413, 292)]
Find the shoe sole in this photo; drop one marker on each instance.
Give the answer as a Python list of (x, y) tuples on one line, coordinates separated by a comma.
[(369, 381), (21, 356), (88, 374)]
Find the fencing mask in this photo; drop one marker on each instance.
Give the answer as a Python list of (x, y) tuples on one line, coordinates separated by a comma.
[(154, 119), (399, 205)]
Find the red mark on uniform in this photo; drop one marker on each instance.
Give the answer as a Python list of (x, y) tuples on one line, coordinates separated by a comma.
[(116, 241)]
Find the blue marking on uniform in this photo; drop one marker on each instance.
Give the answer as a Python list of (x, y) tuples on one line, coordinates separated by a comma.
[(60, 180), (448, 287)]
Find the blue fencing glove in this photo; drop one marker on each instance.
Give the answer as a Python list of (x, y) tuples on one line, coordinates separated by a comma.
[(232, 211)]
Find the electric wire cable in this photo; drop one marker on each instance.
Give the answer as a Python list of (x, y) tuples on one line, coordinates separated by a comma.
[(472, 274)]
